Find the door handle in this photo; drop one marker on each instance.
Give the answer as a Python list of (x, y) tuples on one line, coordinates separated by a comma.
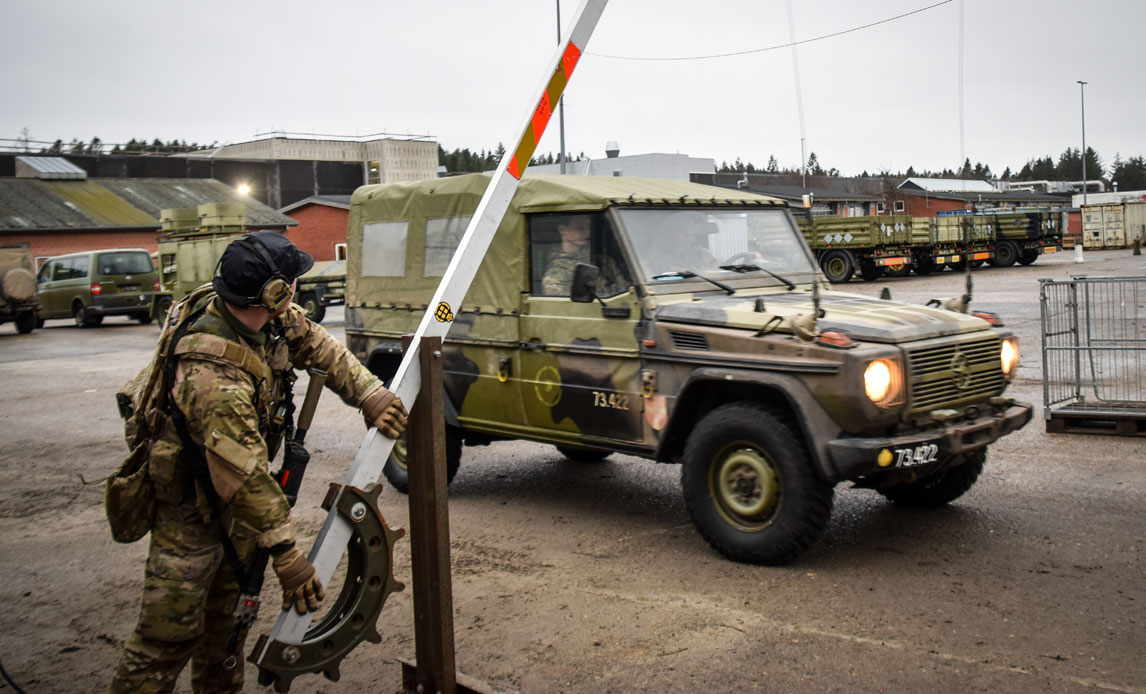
[(532, 344)]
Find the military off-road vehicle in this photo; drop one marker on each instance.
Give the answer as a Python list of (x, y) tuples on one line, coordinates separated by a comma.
[(684, 324), (18, 301)]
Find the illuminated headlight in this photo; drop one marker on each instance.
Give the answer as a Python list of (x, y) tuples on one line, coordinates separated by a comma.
[(1009, 356), (883, 382)]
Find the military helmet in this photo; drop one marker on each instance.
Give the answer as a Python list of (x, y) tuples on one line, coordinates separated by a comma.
[(257, 270)]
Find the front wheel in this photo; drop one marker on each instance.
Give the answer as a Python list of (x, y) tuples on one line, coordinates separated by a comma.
[(84, 317), (1006, 253), (838, 266), (941, 489), (398, 474), (314, 309), (162, 308), (749, 486)]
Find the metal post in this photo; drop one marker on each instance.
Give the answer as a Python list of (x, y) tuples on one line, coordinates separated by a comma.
[(561, 101), (1082, 100), (430, 529)]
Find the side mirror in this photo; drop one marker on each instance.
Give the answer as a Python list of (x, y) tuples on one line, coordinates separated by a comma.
[(584, 289)]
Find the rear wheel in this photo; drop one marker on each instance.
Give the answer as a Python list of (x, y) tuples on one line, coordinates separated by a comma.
[(749, 486), (142, 318), (924, 266), (898, 270), (397, 473), (26, 322), (1006, 254), (84, 317), (582, 455), (869, 271), (838, 266), (162, 308), (1029, 257), (941, 489), (310, 303)]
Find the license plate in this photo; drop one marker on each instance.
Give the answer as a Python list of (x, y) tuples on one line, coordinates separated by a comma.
[(915, 456), (128, 288)]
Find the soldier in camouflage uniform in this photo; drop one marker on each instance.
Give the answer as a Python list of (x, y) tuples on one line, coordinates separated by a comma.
[(229, 391), (558, 279)]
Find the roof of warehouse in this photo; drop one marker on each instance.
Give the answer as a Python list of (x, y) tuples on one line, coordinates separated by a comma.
[(949, 185), (992, 196), (135, 203), (820, 194), (342, 202)]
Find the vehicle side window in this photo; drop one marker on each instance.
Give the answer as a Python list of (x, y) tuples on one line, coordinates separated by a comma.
[(79, 267), (384, 249), (442, 239), (559, 242), (46, 270)]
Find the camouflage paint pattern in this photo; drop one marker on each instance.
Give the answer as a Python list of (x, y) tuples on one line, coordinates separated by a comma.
[(189, 592), (613, 376)]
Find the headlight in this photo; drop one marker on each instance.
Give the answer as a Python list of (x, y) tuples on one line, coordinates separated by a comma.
[(883, 382), (1009, 356)]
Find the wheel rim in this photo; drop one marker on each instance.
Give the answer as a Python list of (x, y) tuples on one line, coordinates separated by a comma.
[(79, 316), (836, 266), (310, 306), (745, 486), (398, 454)]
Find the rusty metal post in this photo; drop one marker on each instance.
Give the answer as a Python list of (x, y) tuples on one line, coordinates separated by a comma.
[(430, 531)]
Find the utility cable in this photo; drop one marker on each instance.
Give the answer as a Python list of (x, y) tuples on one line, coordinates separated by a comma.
[(772, 48)]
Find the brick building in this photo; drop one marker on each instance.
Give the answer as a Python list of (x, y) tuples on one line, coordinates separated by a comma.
[(53, 208), (927, 197), (322, 222)]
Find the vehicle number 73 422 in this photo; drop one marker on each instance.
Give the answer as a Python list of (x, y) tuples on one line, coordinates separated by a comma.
[(919, 455)]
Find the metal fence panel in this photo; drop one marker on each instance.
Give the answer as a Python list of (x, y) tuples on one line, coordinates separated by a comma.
[(1094, 354)]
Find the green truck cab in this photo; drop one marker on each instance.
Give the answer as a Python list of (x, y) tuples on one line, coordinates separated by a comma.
[(18, 300), (680, 323)]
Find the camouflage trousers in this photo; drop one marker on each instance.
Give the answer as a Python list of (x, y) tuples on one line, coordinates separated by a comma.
[(189, 594)]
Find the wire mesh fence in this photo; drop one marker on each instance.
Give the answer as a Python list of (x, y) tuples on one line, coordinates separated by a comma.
[(1094, 354)]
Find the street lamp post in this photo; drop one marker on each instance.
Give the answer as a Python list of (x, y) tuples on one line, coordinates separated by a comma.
[(1082, 100)]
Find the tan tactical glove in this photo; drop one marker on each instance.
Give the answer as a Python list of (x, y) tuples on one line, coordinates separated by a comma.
[(301, 587), (384, 410)]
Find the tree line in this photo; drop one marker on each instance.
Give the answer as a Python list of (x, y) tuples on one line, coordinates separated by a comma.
[(96, 146), (1128, 174)]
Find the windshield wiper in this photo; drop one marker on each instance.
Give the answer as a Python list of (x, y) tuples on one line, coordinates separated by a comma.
[(687, 274), (754, 268)]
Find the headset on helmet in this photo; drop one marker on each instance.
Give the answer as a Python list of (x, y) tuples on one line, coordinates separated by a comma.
[(275, 293)]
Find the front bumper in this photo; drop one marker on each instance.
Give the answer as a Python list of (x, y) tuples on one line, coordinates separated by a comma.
[(927, 452)]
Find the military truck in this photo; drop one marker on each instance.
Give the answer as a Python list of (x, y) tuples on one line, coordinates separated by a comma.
[(869, 245), (695, 330), (1023, 236), (18, 301), (193, 239)]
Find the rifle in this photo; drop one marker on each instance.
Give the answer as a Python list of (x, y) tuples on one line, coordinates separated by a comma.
[(289, 478)]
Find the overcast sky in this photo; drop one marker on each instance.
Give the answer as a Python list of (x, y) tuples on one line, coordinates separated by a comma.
[(465, 71)]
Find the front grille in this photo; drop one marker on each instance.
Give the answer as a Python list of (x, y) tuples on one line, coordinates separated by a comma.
[(954, 374), (685, 340)]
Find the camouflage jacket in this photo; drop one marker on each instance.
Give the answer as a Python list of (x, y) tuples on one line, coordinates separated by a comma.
[(558, 279), (230, 412)]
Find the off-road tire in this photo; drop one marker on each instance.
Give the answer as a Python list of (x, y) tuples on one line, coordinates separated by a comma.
[(17, 284), (939, 490), (142, 318), (583, 455), (1006, 254), (838, 266), (162, 308), (1028, 257), (83, 317), (314, 310), (26, 322), (395, 467), (750, 488)]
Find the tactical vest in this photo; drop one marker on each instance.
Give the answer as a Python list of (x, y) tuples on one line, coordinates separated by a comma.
[(156, 467)]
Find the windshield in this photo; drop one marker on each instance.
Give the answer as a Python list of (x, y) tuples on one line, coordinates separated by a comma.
[(133, 263), (720, 244)]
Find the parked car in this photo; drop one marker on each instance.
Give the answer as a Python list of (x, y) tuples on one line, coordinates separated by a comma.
[(90, 285)]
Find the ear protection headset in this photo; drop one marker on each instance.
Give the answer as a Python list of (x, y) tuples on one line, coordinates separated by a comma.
[(275, 293)]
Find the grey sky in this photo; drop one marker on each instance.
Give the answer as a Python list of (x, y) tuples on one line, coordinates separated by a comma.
[(464, 71)]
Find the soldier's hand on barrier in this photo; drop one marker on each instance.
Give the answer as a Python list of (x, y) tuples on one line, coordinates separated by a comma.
[(392, 421), (385, 410), (301, 587)]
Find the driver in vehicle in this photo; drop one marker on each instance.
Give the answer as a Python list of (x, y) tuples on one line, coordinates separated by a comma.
[(575, 233), (685, 245)]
